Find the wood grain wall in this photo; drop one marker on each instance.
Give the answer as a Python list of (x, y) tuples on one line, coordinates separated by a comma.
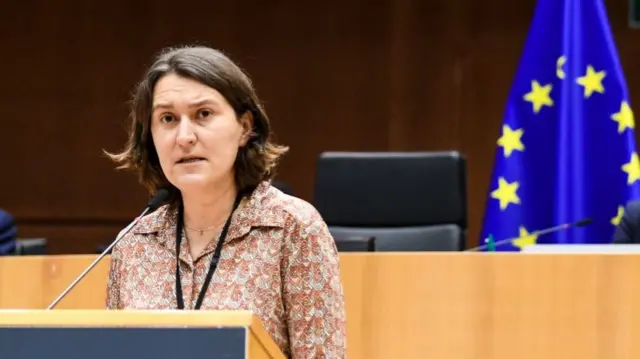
[(335, 75)]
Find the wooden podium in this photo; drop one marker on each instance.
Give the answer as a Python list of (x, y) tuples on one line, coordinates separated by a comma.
[(102, 334)]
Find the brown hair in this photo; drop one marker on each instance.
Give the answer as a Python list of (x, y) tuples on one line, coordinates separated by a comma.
[(255, 162)]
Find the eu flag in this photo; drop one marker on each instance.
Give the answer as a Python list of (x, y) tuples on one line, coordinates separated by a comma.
[(566, 150)]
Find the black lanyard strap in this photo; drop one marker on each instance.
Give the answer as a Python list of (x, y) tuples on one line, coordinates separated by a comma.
[(214, 260)]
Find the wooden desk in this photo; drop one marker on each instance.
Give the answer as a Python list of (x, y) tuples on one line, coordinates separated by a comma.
[(432, 305)]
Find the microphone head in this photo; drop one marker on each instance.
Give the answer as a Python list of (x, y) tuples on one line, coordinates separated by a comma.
[(157, 200), (584, 222)]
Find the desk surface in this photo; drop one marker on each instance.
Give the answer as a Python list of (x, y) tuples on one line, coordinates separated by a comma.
[(432, 305)]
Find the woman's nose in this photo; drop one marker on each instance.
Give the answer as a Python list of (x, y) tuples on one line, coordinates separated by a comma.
[(186, 135)]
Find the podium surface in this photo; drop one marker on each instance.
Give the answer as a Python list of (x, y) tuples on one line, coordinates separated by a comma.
[(99, 334)]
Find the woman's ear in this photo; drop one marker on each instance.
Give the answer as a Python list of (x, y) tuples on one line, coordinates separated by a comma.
[(246, 121)]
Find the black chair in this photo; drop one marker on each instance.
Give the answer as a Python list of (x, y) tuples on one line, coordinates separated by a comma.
[(407, 201), (355, 244), (282, 186), (31, 246), (101, 248)]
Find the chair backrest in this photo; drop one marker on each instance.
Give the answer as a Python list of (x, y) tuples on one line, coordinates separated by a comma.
[(355, 243), (408, 201), (283, 186), (31, 246)]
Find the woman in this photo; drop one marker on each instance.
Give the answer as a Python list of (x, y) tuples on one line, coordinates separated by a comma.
[(8, 234), (199, 129)]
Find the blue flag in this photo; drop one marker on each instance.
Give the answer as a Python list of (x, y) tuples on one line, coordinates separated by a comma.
[(566, 150)]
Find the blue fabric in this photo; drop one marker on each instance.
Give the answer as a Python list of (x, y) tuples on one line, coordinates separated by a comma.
[(8, 233), (571, 164)]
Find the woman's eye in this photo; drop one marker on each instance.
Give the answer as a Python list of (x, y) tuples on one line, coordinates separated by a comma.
[(204, 113), (166, 118)]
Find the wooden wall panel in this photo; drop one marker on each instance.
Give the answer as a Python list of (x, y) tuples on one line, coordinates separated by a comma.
[(335, 75)]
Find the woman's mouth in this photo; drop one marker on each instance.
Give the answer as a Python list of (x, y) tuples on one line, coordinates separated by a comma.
[(190, 160)]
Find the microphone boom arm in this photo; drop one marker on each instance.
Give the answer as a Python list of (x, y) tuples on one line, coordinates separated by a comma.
[(153, 203), (581, 223)]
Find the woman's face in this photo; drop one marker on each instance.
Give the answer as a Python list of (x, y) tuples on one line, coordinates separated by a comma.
[(195, 132)]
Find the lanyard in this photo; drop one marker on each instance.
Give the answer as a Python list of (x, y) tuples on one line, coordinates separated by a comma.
[(214, 260)]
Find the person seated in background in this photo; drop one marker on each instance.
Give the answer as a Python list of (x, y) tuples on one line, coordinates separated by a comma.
[(8, 234), (628, 230), (227, 238)]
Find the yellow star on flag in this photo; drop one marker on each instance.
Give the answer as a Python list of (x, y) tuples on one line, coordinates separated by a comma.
[(632, 169), (525, 239), (624, 117), (559, 70), (539, 96), (592, 81), (616, 220), (511, 140), (506, 193)]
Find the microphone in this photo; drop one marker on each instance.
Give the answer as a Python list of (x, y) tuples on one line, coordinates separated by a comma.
[(152, 205), (557, 228)]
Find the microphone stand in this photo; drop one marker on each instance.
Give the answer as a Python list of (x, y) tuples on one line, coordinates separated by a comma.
[(581, 223), (153, 203)]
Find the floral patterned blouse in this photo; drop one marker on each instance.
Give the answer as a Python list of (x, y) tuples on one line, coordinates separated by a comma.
[(279, 261)]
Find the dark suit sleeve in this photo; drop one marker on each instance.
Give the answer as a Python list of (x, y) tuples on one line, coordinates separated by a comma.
[(627, 231)]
